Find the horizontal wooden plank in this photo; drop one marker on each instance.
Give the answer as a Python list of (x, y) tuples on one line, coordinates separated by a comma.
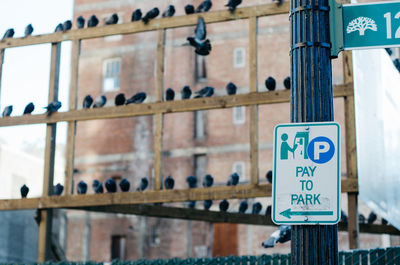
[(136, 27), (126, 198), (217, 217), (260, 98)]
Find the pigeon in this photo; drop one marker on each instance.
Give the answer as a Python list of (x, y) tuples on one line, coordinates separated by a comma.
[(202, 46), (58, 189), (112, 20), (208, 181), (243, 206), (82, 187), (100, 101), (24, 191), (169, 183), (343, 217), (189, 9), (371, 218), (207, 204), (124, 185), (29, 108), (111, 185), (150, 15), (281, 235), (389, 51), (97, 186), (233, 179), (384, 221), (137, 98), (361, 218), (53, 107), (169, 94), (191, 181), (286, 82), (268, 210), (80, 22), (256, 209), (279, 2), (192, 204), (87, 102), (204, 6), (270, 83), (59, 28), (67, 25), (207, 91), (396, 63), (268, 176), (169, 12), (93, 21), (7, 111), (186, 92), (223, 205), (231, 88), (143, 184), (136, 15), (28, 30), (8, 34), (120, 99), (232, 4)]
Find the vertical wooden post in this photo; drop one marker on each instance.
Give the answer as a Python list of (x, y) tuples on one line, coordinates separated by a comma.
[(253, 108), (351, 153), (46, 215), (158, 132), (1, 68), (71, 130)]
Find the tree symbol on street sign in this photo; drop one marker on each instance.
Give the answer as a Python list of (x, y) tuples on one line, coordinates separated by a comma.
[(361, 24)]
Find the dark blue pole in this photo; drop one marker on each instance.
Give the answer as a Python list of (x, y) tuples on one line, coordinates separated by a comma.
[(311, 101)]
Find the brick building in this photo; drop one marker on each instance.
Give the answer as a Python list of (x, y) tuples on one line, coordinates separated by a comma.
[(194, 143)]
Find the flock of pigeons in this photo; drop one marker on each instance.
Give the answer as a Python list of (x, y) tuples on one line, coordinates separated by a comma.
[(120, 99)]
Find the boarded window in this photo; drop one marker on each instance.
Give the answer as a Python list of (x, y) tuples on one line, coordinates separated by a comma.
[(111, 74), (239, 115), (118, 247), (238, 58)]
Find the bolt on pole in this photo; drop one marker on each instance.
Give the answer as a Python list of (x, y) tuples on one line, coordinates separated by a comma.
[(311, 101)]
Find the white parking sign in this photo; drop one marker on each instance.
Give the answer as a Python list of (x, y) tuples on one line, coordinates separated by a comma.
[(306, 174)]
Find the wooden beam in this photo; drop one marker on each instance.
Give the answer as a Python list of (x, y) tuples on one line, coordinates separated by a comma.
[(158, 132), (270, 97), (217, 217), (71, 129), (253, 80), (151, 196), (156, 24), (45, 225)]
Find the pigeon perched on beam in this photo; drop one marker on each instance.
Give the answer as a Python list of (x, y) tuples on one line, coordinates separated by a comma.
[(112, 20), (256, 209), (59, 28), (189, 9), (97, 186), (232, 4), (137, 98), (169, 94), (120, 99), (286, 82), (192, 204), (7, 111), (186, 92), (282, 235), (268, 210), (343, 217), (198, 41), (24, 191), (81, 187), (151, 15), (361, 218), (270, 83), (58, 189), (204, 6), (136, 15), (207, 204), (169, 11), (67, 25), (371, 218), (53, 107), (93, 21), (87, 102), (207, 91), (208, 181), (29, 108), (80, 22), (124, 184), (143, 184), (111, 185), (191, 181), (223, 205), (243, 206), (28, 30), (268, 176), (100, 101), (169, 183), (8, 34), (231, 88), (233, 179)]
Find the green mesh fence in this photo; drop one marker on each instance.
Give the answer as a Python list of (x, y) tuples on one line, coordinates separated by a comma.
[(377, 256)]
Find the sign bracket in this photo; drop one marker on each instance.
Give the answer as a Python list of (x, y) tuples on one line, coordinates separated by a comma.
[(336, 27)]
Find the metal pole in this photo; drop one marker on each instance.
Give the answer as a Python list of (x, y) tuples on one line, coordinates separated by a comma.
[(311, 101)]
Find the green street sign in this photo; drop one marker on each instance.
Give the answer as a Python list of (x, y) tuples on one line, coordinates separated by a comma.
[(363, 26)]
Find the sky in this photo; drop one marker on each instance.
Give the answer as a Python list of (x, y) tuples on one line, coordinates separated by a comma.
[(26, 70)]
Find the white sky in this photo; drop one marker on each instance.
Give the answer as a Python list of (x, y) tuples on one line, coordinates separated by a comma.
[(26, 70)]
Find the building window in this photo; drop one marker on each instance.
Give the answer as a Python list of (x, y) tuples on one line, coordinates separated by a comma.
[(238, 167), (118, 247), (199, 124), (201, 68), (200, 165), (111, 74), (238, 58), (155, 239), (239, 115)]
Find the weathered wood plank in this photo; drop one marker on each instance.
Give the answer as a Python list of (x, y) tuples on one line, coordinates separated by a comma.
[(151, 196), (156, 24), (280, 96)]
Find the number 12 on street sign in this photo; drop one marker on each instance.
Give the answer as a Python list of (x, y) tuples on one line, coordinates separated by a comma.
[(306, 173)]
